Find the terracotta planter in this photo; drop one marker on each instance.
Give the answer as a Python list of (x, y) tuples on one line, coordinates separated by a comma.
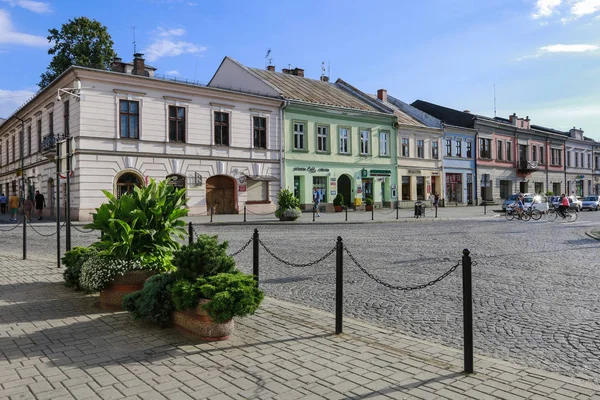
[(338, 208), (198, 322), (112, 296), (369, 208)]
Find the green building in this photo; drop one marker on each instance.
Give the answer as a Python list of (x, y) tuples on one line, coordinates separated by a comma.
[(331, 139)]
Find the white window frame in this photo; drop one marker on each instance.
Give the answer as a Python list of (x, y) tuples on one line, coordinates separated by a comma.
[(420, 148), (384, 137), (405, 147), (300, 133), (322, 138), (458, 147), (344, 139), (365, 139)]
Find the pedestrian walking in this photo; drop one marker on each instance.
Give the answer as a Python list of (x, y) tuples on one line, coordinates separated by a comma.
[(13, 204), (3, 201), (28, 207), (316, 200), (40, 203), (436, 201)]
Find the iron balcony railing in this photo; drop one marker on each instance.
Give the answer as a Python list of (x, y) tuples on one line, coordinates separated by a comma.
[(524, 165)]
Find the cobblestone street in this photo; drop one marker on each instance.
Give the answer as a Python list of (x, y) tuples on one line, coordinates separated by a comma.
[(536, 284)]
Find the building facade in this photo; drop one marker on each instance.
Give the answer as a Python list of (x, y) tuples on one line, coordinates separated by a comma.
[(579, 164)]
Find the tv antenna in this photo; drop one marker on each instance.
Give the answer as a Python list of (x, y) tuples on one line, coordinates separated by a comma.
[(134, 48), (494, 100), (268, 58), (323, 68)]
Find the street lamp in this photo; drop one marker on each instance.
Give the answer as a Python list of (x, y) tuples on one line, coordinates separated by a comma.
[(22, 186)]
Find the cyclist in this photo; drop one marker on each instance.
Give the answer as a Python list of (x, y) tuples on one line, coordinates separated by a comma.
[(564, 204), (518, 206)]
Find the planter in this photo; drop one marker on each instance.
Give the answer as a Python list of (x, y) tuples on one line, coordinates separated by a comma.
[(287, 218), (338, 208), (198, 322), (369, 208), (112, 295)]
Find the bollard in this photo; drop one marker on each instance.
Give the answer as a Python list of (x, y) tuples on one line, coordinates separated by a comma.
[(484, 207), (467, 311), (436, 207), (24, 234), (211, 213), (372, 212), (397, 210), (255, 255), (346, 213), (339, 284), (190, 233), (314, 213), (244, 212)]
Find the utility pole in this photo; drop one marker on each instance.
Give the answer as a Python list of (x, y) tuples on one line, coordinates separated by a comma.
[(22, 185)]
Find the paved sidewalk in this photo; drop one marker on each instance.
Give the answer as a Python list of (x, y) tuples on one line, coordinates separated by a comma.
[(56, 343)]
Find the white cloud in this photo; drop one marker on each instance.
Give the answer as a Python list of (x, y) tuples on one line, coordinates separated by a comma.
[(8, 35), (39, 7), (165, 45), (172, 72), (585, 7), (545, 8), (568, 48), (10, 100)]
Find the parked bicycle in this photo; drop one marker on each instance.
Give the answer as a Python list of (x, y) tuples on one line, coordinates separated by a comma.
[(569, 216)]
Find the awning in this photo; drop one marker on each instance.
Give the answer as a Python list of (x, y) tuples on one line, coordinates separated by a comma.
[(268, 178)]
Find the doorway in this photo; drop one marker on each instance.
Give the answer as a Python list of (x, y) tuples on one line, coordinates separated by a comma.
[(220, 194), (345, 189)]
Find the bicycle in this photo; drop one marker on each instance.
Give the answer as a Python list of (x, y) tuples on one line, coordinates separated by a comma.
[(534, 213), (568, 216), (512, 213)]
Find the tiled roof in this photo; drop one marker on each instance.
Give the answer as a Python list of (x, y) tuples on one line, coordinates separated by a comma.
[(445, 114), (403, 118), (307, 90)]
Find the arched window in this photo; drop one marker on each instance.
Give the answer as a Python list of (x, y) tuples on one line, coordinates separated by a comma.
[(127, 182)]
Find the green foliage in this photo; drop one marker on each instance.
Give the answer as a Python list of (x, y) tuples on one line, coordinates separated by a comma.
[(154, 301), (101, 269), (231, 295), (549, 193), (369, 200), (82, 42), (73, 261), (185, 295), (338, 200), (143, 225), (203, 258), (288, 203)]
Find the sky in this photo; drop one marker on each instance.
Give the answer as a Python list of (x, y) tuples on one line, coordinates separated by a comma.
[(539, 57)]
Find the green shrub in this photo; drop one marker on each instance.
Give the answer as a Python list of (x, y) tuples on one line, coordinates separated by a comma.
[(287, 201), (203, 258), (101, 269), (73, 261), (549, 193), (185, 295), (154, 301), (338, 200), (369, 200), (144, 225)]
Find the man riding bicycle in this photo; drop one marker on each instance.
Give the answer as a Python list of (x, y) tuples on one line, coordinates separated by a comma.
[(564, 204), (518, 206)]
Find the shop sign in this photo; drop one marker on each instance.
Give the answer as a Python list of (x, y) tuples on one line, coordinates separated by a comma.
[(363, 173), (394, 187), (333, 192), (359, 189), (177, 181), (242, 188), (414, 172), (299, 169), (312, 170), (332, 179), (435, 173), (323, 170), (380, 172), (580, 177)]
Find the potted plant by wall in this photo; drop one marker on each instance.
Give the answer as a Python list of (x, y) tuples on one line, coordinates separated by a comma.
[(338, 202), (288, 206), (369, 203)]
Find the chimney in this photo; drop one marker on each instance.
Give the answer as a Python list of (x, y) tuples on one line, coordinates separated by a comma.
[(298, 72), (382, 95), (138, 65), (271, 68), (576, 133), (286, 71), (513, 119), (325, 78), (117, 65)]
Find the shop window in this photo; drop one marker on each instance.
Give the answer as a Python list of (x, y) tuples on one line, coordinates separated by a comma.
[(320, 182), (406, 188), (257, 190), (420, 188)]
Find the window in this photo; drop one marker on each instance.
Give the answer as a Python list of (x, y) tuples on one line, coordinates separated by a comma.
[(7, 149), (66, 118), (542, 160), (221, 128), (344, 134), (556, 157), (51, 123), (469, 149), (322, 134), (320, 182), (405, 148), (458, 148), (176, 124), (533, 153), (581, 155), (484, 148), (13, 149), (364, 142), (509, 151), (257, 191), (298, 135), (589, 160), (39, 134), (568, 159), (383, 143), (29, 139), (499, 150), (1, 163), (434, 150), (448, 148), (129, 119), (260, 132), (597, 161), (127, 182), (577, 159), (420, 148)]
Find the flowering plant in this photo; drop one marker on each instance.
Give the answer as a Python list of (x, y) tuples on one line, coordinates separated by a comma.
[(101, 269)]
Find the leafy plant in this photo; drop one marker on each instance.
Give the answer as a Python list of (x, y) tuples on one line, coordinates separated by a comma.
[(203, 258), (338, 200), (144, 225), (286, 201), (369, 200), (101, 269), (73, 261), (549, 193), (154, 301), (231, 295)]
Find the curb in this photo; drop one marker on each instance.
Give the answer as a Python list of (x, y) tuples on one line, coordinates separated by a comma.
[(593, 234)]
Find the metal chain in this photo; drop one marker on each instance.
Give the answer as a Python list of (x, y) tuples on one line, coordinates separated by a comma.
[(403, 288), (13, 228), (242, 249), (194, 232), (253, 213), (385, 213), (82, 230), (294, 264), (41, 234)]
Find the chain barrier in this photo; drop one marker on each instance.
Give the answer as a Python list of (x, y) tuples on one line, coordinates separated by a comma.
[(13, 228), (253, 213), (294, 264), (82, 230), (242, 249), (42, 234), (403, 288), (385, 213), (194, 231)]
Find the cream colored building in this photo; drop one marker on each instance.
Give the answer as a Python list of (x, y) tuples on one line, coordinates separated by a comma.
[(127, 127)]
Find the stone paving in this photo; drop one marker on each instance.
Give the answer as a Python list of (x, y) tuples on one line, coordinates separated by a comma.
[(58, 344)]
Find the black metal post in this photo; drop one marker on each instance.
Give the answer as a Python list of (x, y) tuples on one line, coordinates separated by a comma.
[(339, 284), (190, 233), (397, 207), (22, 192), (346, 213), (372, 212), (468, 311), (244, 212), (255, 255), (314, 208), (484, 207), (57, 202), (68, 189), (211, 213), (436, 207), (25, 234)]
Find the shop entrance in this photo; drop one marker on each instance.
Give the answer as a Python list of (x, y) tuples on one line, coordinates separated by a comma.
[(220, 194), (367, 189), (344, 187)]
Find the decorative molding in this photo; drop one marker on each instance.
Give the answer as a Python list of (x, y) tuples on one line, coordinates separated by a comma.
[(171, 98), (122, 91), (49, 105), (38, 114), (258, 110), (221, 105)]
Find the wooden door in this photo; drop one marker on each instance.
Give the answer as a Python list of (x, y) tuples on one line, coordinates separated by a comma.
[(220, 194)]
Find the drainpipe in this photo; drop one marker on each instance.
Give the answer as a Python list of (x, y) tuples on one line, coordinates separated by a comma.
[(281, 145)]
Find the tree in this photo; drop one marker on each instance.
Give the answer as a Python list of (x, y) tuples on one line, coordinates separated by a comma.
[(82, 42)]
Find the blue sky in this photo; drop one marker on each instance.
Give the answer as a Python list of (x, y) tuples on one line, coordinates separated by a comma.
[(542, 55)]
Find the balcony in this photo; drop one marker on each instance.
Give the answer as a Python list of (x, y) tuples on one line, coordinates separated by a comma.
[(49, 146), (527, 166)]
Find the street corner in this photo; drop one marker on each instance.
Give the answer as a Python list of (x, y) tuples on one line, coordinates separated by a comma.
[(594, 234)]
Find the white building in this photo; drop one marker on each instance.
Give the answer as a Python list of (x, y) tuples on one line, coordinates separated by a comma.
[(127, 126)]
